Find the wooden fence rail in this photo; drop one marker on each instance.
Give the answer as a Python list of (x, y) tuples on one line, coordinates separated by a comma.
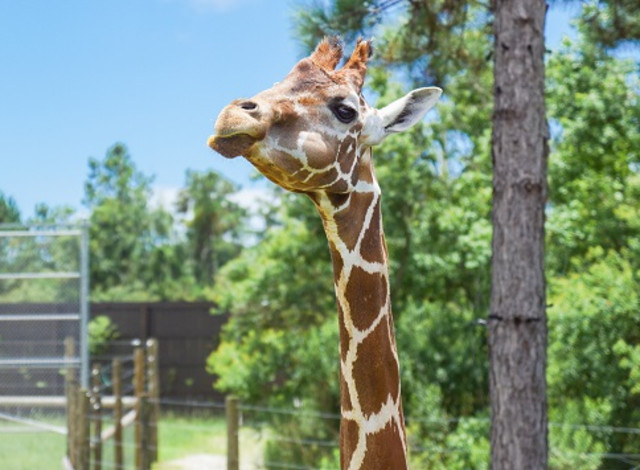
[(86, 433)]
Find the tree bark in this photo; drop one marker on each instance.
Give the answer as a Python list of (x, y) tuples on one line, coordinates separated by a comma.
[(517, 320)]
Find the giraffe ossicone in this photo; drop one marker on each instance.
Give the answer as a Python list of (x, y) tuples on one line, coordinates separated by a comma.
[(312, 133)]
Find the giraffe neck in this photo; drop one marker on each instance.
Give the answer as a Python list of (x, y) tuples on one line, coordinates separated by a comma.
[(372, 434)]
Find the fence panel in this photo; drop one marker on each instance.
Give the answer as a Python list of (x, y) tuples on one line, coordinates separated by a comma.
[(43, 302), (187, 333)]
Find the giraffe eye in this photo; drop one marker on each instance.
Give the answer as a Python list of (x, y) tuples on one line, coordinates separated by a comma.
[(344, 113)]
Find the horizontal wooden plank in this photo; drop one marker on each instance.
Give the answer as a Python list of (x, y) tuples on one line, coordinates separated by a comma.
[(59, 401)]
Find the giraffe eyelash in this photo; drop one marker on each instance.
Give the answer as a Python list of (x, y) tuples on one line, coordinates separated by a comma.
[(344, 113)]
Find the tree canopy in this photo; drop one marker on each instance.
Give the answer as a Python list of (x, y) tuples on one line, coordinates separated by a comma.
[(280, 346), (436, 183)]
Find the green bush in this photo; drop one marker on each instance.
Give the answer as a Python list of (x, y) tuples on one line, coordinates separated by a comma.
[(101, 332)]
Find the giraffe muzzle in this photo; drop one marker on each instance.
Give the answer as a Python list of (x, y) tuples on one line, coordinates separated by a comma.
[(238, 127), (232, 146)]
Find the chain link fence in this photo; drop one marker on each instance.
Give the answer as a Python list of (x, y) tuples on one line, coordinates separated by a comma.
[(43, 303)]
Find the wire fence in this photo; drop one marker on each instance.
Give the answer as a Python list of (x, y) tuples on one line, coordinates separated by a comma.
[(196, 434), (43, 299)]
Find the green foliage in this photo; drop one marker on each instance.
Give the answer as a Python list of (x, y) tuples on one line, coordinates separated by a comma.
[(101, 332), (282, 300), (280, 346), (41, 254), (442, 347), (214, 230), (594, 181), (117, 194), (593, 354), (611, 22), (9, 212), (138, 252), (433, 38), (436, 182), (592, 253)]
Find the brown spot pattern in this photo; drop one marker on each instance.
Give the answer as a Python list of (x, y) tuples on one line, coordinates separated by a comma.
[(323, 178), (366, 293), (348, 442), (385, 450), (350, 221), (375, 371), (346, 159), (371, 248), (345, 398)]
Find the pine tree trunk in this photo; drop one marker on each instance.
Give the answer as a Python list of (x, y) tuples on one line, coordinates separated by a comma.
[(517, 321)]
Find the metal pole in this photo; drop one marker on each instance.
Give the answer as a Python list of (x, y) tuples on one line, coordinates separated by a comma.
[(84, 305)]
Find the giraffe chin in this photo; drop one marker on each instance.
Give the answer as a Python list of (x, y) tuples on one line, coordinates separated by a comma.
[(232, 146)]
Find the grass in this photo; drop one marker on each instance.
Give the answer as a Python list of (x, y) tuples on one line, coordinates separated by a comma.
[(179, 436), (28, 450), (183, 436)]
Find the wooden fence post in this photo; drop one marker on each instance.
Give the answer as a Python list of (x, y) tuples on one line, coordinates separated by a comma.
[(233, 448), (71, 393), (83, 432), (117, 413), (153, 375), (146, 453), (138, 388), (97, 416)]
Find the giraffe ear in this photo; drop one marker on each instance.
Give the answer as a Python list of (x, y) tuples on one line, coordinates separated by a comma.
[(408, 110)]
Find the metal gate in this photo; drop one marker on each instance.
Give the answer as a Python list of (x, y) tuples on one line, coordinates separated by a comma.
[(44, 293)]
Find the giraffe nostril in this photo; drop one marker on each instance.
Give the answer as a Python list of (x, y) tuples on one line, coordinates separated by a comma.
[(248, 105)]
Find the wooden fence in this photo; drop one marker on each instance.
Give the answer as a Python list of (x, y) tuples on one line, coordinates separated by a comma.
[(87, 434), (187, 333)]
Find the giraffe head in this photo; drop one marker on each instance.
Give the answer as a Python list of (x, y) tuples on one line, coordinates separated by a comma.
[(310, 132)]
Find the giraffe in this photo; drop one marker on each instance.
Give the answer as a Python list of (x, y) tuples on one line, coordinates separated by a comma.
[(312, 133)]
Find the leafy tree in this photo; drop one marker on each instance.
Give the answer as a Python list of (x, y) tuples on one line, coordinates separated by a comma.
[(133, 250), (282, 339), (431, 40), (436, 185), (611, 22), (594, 106), (517, 322), (593, 252), (594, 359), (41, 254), (117, 194), (101, 331), (434, 180), (9, 212), (214, 223)]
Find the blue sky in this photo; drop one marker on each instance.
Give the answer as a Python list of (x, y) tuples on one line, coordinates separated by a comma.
[(78, 76)]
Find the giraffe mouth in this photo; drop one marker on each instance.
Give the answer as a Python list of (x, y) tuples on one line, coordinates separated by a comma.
[(233, 145)]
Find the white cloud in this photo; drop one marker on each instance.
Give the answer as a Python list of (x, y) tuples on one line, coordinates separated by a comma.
[(164, 197), (253, 199)]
